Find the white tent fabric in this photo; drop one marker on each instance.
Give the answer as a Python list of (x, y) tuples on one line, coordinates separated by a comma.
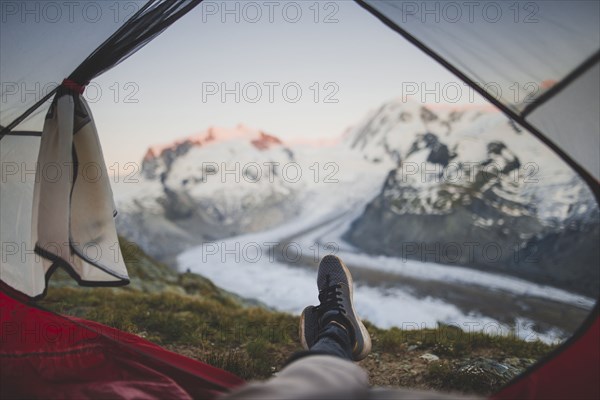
[(550, 79), (71, 223), (63, 216), (20, 268), (42, 42), (572, 120)]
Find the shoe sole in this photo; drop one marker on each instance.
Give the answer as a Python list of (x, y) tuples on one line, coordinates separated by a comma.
[(363, 330), (302, 332)]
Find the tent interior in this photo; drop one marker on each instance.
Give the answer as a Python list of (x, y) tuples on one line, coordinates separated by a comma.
[(48, 57)]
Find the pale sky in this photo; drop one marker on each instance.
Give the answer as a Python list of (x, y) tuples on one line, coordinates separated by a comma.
[(173, 87)]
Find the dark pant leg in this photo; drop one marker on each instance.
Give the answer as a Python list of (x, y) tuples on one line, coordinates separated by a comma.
[(333, 340)]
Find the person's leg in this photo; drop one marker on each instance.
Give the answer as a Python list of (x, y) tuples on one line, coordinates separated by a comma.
[(333, 340), (334, 319), (316, 377), (334, 336), (333, 327)]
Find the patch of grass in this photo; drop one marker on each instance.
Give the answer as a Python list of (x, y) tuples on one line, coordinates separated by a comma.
[(451, 342), (391, 341), (477, 376), (444, 376), (234, 361)]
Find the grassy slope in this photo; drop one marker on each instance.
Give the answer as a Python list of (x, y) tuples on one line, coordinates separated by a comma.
[(188, 314)]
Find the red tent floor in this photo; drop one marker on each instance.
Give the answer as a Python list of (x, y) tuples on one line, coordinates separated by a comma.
[(45, 355)]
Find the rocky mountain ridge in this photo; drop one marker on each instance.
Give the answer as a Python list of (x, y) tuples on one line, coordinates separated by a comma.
[(470, 188)]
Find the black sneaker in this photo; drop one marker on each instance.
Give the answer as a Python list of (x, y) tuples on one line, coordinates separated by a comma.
[(335, 295)]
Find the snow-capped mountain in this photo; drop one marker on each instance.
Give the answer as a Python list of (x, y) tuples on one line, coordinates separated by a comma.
[(219, 183), (470, 188)]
